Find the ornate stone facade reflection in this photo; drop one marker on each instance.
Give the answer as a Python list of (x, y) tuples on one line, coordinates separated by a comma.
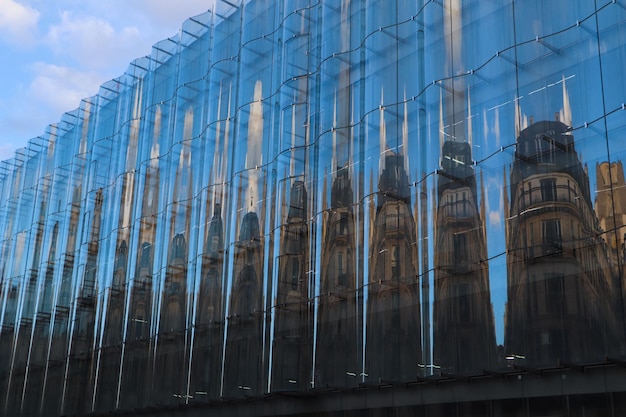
[(393, 329), (560, 288), (138, 353), (464, 336), (244, 361), (170, 367), (337, 319), (209, 332), (292, 351), (611, 211), (79, 373)]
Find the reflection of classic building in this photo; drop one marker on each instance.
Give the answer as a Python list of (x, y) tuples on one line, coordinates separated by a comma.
[(337, 311), (393, 328), (57, 351), (559, 277), (170, 380), (464, 336), (111, 351), (242, 366), (209, 334), (6, 342), (243, 361), (611, 211), (23, 361), (79, 374), (292, 349), (41, 336), (137, 366)]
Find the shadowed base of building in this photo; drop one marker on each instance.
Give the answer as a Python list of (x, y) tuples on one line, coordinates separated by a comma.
[(595, 390)]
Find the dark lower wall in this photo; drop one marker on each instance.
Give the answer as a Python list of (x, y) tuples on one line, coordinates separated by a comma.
[(591, 391)]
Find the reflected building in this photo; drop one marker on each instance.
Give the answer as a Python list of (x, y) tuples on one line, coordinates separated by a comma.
[(464, 334), (337, 310), (559, 277), (41, 337), (171, 360), (111, 346), (292, 350), (57, 351), (337, 316), (393, 329), (610, 207), (22, 359), (243, 365), (209, 331), (137, 371), (244, 359), (79, 378), (111, 351), (113, 335)]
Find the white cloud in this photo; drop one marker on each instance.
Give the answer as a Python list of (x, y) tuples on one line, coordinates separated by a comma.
[(78, 46), (7, 150), (94, 43), (170, 13), (495, 218), (62, 88), (18, 23), (52, 91)]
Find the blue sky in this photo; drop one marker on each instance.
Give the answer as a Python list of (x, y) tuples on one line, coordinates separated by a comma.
[(53, 53)]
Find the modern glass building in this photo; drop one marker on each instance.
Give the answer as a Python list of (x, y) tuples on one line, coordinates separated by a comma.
[(330, 208)]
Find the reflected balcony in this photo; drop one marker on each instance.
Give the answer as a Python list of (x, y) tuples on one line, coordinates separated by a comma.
[(537, 197)]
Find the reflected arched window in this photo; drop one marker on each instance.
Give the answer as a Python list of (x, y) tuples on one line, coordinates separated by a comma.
[(179, 247), (146, 255), (395, 262), (548, 189), (342, 270), (250, 227), (460, 248), (122, 252)]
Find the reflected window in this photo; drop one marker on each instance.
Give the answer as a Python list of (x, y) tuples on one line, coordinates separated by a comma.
[(343, 224), (215, 244), (342, 273), (146, 255), (551, 235), (139, 324), (174, 288), (395, 262), (555, 293), (548, 189), (545, 146), (179, 249), (464, 206), (460, 248)]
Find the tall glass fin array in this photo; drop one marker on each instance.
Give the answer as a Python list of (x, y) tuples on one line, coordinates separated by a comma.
[(300, 196)]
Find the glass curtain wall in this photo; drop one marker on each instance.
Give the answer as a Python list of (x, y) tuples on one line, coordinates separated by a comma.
[(313, 194)]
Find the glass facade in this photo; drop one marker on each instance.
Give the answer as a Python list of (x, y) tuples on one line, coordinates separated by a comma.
[(300, 195)]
